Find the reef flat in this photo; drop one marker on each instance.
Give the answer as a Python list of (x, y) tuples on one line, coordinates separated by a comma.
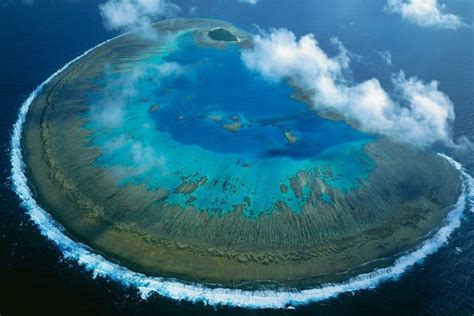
[(154, 193)]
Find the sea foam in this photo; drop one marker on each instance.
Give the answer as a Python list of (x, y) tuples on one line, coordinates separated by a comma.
[(180, 290)]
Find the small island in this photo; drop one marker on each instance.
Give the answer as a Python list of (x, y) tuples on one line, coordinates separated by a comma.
[(290, 137), (154, 108), (222, 35), (232, 127), (214, 117)]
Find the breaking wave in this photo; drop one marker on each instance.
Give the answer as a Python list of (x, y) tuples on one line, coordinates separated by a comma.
[(193, 292)]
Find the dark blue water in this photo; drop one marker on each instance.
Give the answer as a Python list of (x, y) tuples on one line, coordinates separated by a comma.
[(37, 41)]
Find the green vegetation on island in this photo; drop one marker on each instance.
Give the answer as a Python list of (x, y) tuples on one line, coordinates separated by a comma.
[(223, 35)]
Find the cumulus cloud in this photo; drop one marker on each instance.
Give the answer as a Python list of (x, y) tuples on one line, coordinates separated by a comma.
[(138, 156), (108, 113), (135, 14), (414, 111), (386, 57), (426, 13), (249, 1)]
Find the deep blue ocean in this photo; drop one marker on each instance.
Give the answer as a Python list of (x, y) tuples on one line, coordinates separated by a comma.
[(37, 40)]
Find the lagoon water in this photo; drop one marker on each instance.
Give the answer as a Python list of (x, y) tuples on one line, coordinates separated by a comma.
[(35, 280), (199, 113), (219, 87)]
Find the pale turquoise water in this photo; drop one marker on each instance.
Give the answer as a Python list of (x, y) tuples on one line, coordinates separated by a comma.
[(197, 91)]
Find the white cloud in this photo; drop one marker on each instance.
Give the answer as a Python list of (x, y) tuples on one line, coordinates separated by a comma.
[(415, 111), (463, 151), (140, 156), (193, 10), (386, 57), (108, 112), (145, 157), (169, 69), (426, 13), (249, 1), (135, 14)]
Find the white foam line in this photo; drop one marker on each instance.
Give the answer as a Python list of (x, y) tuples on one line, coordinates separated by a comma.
[(178, 290)]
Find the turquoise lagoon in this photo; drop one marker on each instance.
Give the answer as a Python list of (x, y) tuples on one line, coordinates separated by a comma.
[(194, 114)]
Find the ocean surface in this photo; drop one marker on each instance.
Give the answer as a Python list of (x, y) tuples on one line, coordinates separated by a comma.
[(36, 41)]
